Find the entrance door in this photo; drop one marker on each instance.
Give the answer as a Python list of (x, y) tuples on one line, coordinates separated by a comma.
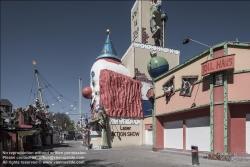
[(248, 133), (149, 137), (173, 134), (198, 133)]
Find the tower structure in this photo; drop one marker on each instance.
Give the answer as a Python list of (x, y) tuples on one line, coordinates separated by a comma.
[(148, 23), (147, 34), (148, 37)]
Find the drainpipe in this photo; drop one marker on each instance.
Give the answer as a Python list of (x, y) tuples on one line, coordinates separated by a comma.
[(154, 121), (142, 123)]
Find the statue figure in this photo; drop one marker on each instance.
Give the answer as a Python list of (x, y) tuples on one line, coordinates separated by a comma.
[(186, 87), (103, 121), (168, 90), (155, 17), (156, 25), (153, 53), (104, 124)]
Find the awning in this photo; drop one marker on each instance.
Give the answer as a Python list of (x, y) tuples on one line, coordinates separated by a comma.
[(26, 133)]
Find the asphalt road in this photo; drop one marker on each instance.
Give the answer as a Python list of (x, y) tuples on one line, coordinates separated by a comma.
[(138, 156)]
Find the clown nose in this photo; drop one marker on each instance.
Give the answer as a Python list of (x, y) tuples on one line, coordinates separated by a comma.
[(87, 92)]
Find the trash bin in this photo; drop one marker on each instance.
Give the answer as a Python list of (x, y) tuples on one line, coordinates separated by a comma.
[(195, 156)]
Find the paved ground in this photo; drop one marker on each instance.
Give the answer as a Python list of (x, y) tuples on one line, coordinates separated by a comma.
[(140, 156)]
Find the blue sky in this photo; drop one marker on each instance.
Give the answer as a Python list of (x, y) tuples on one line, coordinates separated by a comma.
[(65, 37)]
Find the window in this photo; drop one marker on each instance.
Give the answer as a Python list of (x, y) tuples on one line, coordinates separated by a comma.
[(168, 87), (187, 85), (218, 79)]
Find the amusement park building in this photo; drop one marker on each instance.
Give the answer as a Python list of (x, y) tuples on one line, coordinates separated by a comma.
[(126, 130), (205, 102), (138, 54), (130, 123)]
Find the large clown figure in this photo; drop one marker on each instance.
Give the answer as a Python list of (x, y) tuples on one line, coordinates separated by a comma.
[(113, 92), (107, 60)]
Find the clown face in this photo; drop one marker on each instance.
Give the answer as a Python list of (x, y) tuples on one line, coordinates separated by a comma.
[(101, 64)]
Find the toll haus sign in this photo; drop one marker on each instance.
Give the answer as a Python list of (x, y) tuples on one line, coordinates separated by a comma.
[(217, 64)]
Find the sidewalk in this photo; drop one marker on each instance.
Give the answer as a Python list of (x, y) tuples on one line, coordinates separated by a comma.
[(186, 153), (205, 155)]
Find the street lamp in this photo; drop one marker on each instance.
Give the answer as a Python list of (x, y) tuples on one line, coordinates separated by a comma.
[(187, 39)]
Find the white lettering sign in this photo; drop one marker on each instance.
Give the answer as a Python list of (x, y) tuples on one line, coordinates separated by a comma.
[(95, 133), (126, 121), (156, 48), (135, 30)]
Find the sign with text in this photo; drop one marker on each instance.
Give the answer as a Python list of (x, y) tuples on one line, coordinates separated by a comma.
[(218, 64), (123, 134)]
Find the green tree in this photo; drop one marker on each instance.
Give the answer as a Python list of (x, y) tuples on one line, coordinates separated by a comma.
[(71, 126), (64, 121)]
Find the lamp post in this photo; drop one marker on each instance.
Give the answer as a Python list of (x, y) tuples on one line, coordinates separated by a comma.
[(164, 19), (80, 100), (187, 39)]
